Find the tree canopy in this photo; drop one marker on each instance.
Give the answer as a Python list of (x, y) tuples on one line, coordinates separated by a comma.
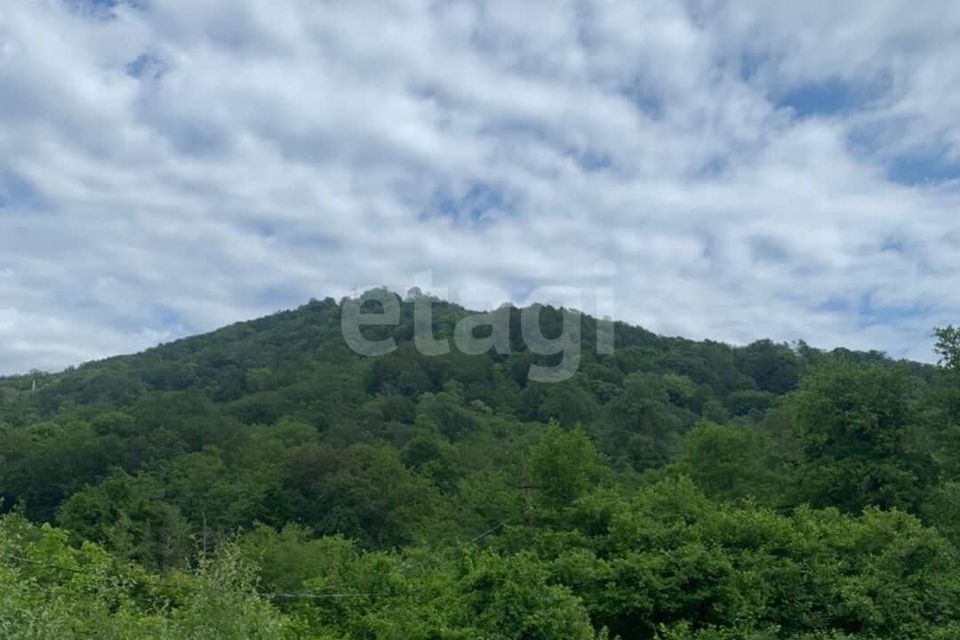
[(265, 481)]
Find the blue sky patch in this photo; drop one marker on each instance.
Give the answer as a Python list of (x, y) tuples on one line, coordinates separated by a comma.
[(167, 319), (866, 313), (99, 9), (147, 66), (922, 169), (644, 98), (479, 201), (750, 65), (895, 244), (923, 166), (830, 97), (18, 194), (869, 313), (592, 160)]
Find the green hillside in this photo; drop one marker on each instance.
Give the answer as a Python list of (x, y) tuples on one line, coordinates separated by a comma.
[(265, 481)]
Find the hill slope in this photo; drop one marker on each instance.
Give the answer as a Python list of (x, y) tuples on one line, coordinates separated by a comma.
[(646, 492)]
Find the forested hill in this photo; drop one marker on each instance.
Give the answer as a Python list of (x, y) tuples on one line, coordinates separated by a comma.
[(268, 480), (289, 348)]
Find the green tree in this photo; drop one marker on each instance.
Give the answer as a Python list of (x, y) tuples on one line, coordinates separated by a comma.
[(564, 465), (729, 462), (854, 424), (948, 347)]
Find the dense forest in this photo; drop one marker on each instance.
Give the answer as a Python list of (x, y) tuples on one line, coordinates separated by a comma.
[(264, 481)]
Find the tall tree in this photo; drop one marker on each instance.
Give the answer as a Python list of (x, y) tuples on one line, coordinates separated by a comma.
[(855, 424)]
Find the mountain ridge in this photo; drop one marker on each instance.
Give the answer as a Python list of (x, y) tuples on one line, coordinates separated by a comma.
[(635, 335)]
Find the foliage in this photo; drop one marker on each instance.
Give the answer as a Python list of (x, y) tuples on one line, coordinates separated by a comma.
[(263, 481)]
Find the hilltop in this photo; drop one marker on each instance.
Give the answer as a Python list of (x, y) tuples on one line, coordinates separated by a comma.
[(647, 491)]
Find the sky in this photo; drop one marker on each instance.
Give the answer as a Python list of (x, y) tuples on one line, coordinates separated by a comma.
[(723, 170)]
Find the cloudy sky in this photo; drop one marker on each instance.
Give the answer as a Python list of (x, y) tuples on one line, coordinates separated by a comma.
[(732, 170)]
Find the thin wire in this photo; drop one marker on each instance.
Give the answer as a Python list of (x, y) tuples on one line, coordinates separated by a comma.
[(487, 533)]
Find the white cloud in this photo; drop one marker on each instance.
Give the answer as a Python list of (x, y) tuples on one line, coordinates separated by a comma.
[(180, 165)]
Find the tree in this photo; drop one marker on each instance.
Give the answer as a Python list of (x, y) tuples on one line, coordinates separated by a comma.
[(773, 366), (854, 425), (364, 492), (643, 424), (728, 462), (948, 347), (564, 465)]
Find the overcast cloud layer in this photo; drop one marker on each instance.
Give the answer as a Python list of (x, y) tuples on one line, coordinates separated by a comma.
[(745, 170)]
